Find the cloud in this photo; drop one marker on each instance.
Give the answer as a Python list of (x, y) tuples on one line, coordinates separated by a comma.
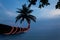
[(11, 14), (55, 12), (6, 16), (50, 13), (46, 13)]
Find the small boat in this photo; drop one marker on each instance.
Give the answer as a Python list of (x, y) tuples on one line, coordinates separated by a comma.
[(7, 30)]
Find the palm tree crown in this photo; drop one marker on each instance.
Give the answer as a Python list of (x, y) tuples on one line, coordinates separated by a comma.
[(25, 13), (58, 5), (32, 2), (43, 2)]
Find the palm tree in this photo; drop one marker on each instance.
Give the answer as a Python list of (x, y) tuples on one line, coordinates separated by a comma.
[(58, 5), (32, 2), (25, 13), (43, 2)]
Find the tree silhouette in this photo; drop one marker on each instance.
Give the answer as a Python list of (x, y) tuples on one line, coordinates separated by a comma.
[(32, 2), (25, 13), (43, 2), (58, 5)]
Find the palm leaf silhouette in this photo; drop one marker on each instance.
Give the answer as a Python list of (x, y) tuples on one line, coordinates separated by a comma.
[(43, 2), (25, 13), (32, 2), (58, 5)]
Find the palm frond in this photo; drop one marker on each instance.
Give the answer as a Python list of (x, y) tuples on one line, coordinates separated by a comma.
[(19, 10), (29, 0), (32, 2), (33, 18), (25, 14), (30, 11), (28, 20), (24, 6), (44, 2), (18, 17)]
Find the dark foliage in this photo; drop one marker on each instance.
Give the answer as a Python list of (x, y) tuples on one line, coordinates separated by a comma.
[(58, 5), (43, 3), (25, 13), (32, 2)]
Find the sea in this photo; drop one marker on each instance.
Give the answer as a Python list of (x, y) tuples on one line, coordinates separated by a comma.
[(41, 30)]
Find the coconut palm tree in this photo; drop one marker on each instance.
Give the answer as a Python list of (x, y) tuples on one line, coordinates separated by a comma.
[(58, 5), (32, 2), (25, 13), (43, 2)]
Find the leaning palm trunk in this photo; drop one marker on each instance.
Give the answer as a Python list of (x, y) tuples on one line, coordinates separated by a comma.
[(5, 29)]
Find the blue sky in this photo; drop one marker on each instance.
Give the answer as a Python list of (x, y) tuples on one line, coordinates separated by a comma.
[(8, 10)]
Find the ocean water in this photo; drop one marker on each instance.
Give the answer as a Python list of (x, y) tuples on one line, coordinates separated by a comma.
[(38, 31), (42, 33)]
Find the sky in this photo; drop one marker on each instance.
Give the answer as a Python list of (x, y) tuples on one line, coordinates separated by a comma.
[(8, 10)]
